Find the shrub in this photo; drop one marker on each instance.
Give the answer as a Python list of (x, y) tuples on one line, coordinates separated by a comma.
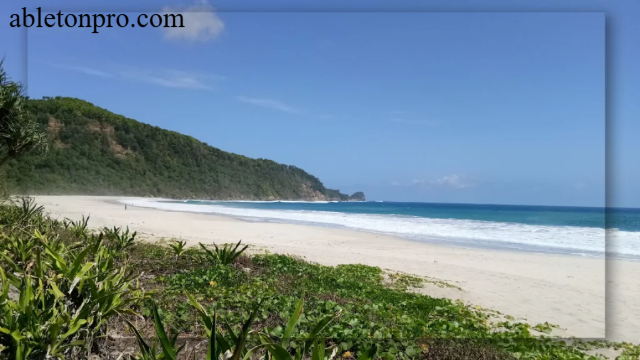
[(120, 239), (225, 254), (178, 247), (57, 293)]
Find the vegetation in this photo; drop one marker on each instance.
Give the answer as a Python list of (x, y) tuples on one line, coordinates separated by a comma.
[(178, 247), (121, 239), (224, 255), (94, 151), (58, 291), (69, 292), (19, 132)]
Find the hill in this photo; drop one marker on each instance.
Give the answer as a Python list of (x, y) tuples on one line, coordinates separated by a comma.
[(94, 151)]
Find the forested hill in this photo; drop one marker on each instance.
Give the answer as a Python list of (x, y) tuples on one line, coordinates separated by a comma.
[(95, 152)]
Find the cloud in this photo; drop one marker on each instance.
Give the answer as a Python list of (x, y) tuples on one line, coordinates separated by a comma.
[(450, 181), (412, 122), (164, 77), (88, 71), (200, 23), (453, 181), (396, 183), (173, 78), (269, 104)]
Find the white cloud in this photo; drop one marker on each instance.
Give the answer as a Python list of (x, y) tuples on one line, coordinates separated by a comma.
[(269, 104), (163, 77), (173, 78), (413, 122), (200, 21), (453, 181), (88, 71)]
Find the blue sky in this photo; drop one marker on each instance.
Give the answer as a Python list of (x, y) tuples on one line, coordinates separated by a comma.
[(439, 106)]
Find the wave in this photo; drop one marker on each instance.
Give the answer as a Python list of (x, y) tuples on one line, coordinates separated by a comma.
[(258, 201), (570, 239)]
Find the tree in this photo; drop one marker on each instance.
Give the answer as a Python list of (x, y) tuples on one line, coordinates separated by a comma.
[(19, 132)]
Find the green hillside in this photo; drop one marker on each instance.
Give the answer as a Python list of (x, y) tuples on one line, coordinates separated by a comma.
[(96, 152)]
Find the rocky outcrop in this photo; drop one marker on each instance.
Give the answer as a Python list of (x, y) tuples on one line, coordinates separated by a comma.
[(357, 196)]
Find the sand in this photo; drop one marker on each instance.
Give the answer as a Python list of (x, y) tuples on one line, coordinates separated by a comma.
[(561, 289)]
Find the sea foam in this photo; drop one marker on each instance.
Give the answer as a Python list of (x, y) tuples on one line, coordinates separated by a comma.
[(565, 239)]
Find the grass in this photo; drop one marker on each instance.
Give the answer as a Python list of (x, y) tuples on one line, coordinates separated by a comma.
[(281, 306)]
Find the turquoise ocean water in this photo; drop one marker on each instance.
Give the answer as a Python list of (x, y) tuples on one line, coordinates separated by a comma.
[(568, 230)]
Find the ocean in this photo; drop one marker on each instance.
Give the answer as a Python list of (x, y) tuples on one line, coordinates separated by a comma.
[(577, 231)]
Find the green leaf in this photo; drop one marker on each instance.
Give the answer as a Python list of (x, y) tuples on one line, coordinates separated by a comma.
[(232, 334), (369, 354), (74, 328), (56, 256), (412, 351), (5, 285), (321, 325), (247, 356), (8, 260), (144, 347), (167, 347), (318, 350), (26, 293), (212, 349), (277, 351), (203, 313), (77, 262), (222, 343), (56, 291), (237, 353), (293, 321), (17, 336)]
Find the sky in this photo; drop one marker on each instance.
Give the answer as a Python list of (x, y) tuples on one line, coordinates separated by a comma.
[(456, 105)]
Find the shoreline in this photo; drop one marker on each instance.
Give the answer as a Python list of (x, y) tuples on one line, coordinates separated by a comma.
[(446, 242), (565, 290)]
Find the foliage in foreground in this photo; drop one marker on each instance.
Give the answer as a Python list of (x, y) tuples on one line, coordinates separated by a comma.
[(58, 292), (19, 132), (63, 287)]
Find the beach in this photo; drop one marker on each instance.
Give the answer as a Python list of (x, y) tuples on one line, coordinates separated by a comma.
[(560, 289)]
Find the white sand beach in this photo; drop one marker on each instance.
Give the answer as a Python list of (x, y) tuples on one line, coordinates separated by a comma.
[(561, 289)]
